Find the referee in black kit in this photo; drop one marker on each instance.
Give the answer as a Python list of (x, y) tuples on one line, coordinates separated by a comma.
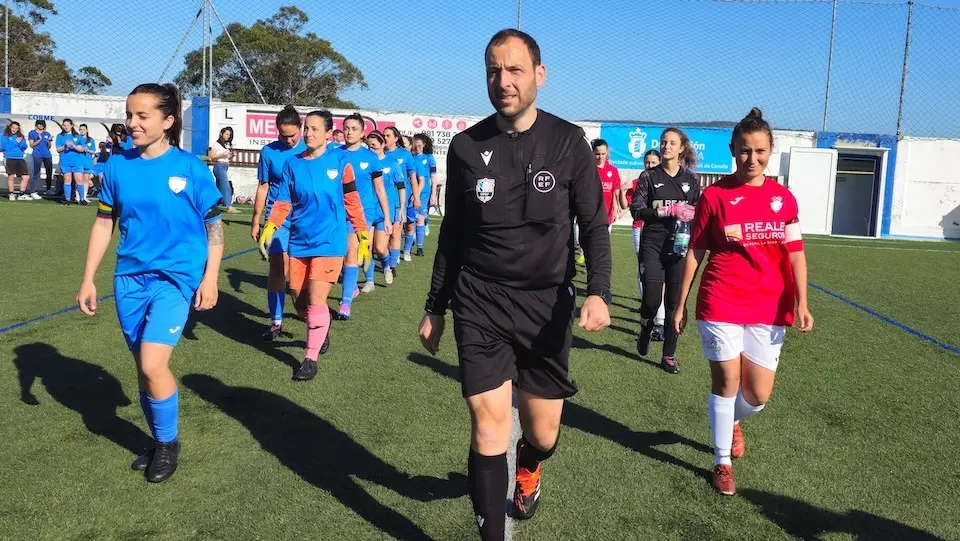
[(504, 264)]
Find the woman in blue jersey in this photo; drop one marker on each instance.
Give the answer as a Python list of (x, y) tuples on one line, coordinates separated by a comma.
[(317, 196), (393, 181), (373, 196), (395, 151), (99, 161), (165, 202), (13, 144), (426, 176), (87, 147), (270, 173), (71, 167)]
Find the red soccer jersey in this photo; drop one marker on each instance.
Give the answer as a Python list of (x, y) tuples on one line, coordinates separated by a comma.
[(610, 179), (636, 223), (750, 232)]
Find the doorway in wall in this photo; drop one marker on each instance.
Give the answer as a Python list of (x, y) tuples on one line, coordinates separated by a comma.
[(856, 199)]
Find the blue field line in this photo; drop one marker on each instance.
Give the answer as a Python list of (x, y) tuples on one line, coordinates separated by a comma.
[(69, 309), (885, 319)]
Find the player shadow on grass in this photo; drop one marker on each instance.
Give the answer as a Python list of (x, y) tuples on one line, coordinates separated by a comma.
[(83, 387), (324, 456), (586, 420), (809, 523), (581, 343), (230, 319)]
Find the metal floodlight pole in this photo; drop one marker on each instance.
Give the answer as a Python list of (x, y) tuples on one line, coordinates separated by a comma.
[(179, 45), (6, 43), (519, 13), (903, 74), (236, 51), (826, 98), (203, 48), (209, 28)]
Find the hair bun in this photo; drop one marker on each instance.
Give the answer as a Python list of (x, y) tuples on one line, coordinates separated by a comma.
[(755, 113)]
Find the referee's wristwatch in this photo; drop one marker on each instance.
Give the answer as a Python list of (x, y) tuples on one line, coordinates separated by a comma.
[(604, 294)]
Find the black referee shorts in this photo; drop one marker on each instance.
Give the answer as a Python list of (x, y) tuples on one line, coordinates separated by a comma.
[(505, 334)]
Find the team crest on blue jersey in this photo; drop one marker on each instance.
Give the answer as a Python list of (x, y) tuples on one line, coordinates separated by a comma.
[(485, 187), (332, 173), (364, 165), (177, 184), (386, 170)]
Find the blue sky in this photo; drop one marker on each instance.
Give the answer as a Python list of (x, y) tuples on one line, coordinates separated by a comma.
[(665, 61)]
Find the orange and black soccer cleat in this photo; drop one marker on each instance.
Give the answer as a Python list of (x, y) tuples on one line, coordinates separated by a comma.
[(723, 480), (526, 495), (739, 445)]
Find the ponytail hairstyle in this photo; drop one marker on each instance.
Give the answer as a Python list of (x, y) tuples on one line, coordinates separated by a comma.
[(73, 127), (289, 116), (751, 123), (376, 135), (427, 142), (396, 133), (325, 115), (168, 103), (688, 158)]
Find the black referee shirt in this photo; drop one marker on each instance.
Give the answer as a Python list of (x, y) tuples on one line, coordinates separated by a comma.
[(510, 204)]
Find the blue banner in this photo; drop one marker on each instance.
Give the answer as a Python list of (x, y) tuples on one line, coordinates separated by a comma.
[(629, 142)]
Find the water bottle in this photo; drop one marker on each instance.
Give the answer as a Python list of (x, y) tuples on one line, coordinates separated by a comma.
[(681, 238)]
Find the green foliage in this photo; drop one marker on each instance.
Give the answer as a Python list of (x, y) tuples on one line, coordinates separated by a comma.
[(289, 65), (33, 65)]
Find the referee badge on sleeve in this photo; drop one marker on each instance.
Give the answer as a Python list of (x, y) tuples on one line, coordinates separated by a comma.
[(485, 187), (177, 184)]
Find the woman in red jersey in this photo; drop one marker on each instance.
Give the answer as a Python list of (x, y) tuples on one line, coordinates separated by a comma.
[(753, 287)]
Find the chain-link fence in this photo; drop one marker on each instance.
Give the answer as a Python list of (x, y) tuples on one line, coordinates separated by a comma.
[(849, 66)]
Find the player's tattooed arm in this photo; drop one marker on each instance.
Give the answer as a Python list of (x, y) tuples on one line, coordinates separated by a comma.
[(215, 233)]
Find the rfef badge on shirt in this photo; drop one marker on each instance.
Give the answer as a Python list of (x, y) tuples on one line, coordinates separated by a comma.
[(177, 184)]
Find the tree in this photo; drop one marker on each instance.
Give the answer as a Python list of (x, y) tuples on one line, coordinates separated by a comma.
[(290, 66), (32, 63)]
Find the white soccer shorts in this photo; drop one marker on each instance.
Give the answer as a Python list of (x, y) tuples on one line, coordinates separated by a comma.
[(759, 344)]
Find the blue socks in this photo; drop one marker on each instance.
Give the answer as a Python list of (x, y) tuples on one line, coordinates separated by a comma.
[(67, 192), (350, 274), (393, 259), (370, 269), (420, 236), (163, 416), (275, 301), (81, 191), (408, 242)]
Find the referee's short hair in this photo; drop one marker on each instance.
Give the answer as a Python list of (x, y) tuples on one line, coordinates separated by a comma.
[(502, 36)]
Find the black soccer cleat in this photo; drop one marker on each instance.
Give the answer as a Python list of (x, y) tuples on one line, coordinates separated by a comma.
[(164, 461), (643, 342), (669, 364), (326, 344), (526, 494), (657, 334), (142, 462), (273, 332), (419, 252), (306, 371)]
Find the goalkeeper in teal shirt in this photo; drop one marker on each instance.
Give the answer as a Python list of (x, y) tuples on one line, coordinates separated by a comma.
[(165, 202)]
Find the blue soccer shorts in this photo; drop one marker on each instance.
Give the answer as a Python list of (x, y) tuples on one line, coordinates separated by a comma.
[(151, 308), (71, 168), (374, 217)]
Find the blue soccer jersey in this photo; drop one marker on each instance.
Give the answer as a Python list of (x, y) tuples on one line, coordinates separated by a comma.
[(314, 188), (41, 150), (391, 175), (13, 146), (366, 166), (407, 165), (69, 158), (422, 162), (161, 207), (87, 158), (270, 167)]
